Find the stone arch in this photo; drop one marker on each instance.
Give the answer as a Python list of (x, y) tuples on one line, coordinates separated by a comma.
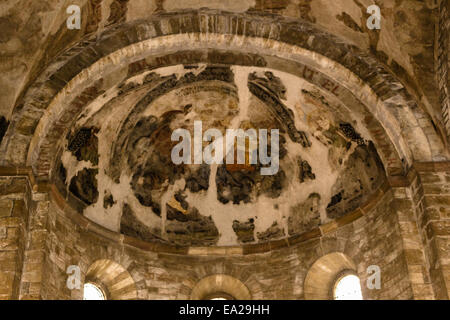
[(220, 284), (44, 113), (113, 278), (322, 275)]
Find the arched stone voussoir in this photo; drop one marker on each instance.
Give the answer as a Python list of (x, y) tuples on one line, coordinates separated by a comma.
[(207, 287)]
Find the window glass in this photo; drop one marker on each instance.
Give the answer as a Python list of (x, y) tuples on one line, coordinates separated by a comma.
[(93, 292), (348, 288)]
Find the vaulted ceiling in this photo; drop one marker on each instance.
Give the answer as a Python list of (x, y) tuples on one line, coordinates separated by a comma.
[(92, 110)]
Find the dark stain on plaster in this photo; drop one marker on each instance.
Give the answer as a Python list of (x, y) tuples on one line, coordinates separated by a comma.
[(150, 158), (94, 12), (270, 89), (84, 145), (350, 132), (62, 173), (190, 228), (304, 216), (108, 200), (349, 22), (118, 12), (199, 180), (305, 171), (245, 185), (244, 230), (273, 232), (84, 186), (362, 175), (131, 226)]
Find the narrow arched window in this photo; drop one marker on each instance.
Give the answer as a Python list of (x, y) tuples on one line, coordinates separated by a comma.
[(219, 296), (93, 292), (347, 287)]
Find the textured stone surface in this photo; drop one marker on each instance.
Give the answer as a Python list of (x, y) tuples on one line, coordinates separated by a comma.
[(387, 89), (86, 118), (386, 235), (443, 62), (13, 229), (278, 274), (433, 207)]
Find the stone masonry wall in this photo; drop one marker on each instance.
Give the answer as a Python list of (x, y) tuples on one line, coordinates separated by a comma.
[(406, 234), (373, 239), (432, 197), (13, 221), (34, 271), (404, 208)]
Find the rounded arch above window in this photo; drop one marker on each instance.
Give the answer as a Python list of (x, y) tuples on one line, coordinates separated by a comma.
[(325, 274), (112, 279), (220, 287), (92, 291)]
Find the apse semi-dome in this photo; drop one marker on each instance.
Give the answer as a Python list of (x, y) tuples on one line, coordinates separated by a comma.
[(116, 160)]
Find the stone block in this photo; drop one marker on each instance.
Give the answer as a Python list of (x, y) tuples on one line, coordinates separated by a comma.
[(8, 266), (437, 189), (439, 201), (5, 208), (441, 228), (3, 233), (414, 256), (11, 222), (430, 177)]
